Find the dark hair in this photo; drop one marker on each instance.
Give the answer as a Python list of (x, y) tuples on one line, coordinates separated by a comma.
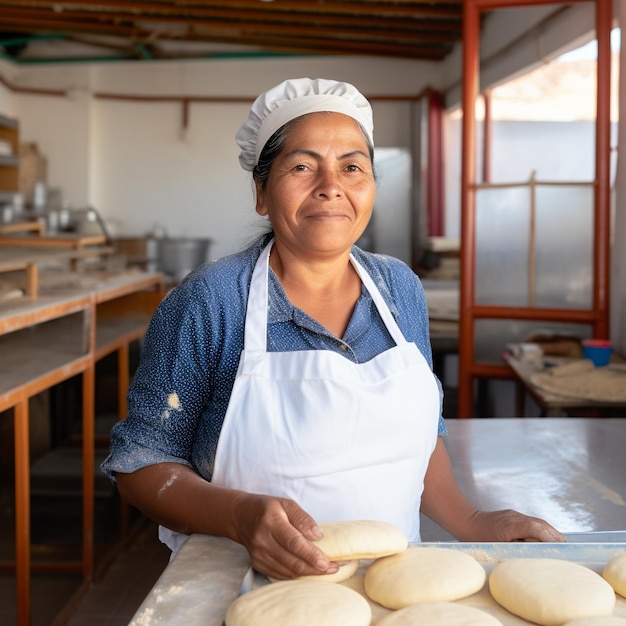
[(275, 144)]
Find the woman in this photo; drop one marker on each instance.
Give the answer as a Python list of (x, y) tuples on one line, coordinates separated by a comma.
[(292, 383)]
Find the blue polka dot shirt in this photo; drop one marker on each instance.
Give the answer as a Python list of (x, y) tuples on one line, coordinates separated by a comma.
[(178, 396)]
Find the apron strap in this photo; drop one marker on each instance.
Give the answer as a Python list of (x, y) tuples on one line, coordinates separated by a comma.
[(381, 305), (256, 312)]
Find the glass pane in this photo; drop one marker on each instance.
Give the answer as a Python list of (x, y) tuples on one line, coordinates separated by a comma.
[(502, 237), (564, 247), (563, 276)]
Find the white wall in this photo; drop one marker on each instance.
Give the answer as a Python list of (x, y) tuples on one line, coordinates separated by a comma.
[(134, 162)]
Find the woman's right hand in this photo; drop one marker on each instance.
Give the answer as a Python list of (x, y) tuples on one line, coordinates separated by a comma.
[(277, 534)]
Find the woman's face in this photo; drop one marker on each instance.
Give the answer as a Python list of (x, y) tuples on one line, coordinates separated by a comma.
[(320, 191)]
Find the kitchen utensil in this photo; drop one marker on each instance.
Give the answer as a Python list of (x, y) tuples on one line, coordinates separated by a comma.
[(178, 256)]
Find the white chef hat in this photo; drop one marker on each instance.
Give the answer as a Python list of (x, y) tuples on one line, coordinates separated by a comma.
[(293, 98)]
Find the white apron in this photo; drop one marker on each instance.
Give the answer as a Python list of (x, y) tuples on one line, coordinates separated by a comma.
[(346, 441)]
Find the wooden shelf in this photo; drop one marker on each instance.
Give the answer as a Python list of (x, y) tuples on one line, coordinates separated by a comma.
[(22, 227), (9, 163), (51, 338), (28, 311), (9, 160), (63, 240), (113, 334), (28, 255), (42, 356), (8, 122)]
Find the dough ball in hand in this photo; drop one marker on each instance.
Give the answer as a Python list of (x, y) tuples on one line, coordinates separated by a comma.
[(348, 541), (360, 539), (345, 571), (550, 592)]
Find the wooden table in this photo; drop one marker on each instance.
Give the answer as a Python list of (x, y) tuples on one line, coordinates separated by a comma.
[(78, 245), (61, 240), (569, 471), (22, 227), (552, 404), (49, 339), (28, 257)]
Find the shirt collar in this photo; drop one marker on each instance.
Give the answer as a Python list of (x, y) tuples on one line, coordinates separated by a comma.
[(281, 310)]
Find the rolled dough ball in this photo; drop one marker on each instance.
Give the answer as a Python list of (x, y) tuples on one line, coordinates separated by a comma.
[(615, 573), (439, 614), (299, 603), (357, 582), (360, 539), (345, 571), (423, 574), (550, 591)]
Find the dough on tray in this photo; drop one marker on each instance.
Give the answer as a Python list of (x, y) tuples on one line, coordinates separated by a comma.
[(299, 603), (345, 571), (423, 574), (615, 573), (550, 592), (360, 539), (439, 614), (604, 620)]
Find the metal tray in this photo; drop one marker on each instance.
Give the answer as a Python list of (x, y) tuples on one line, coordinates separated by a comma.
[(206, 576), (593, 555)]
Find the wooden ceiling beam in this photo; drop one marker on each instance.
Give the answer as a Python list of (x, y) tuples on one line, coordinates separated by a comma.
[(378, 9), (333, 47), (409, 29), (446, 28), (304, 44), (391, 31), (375, 7), (208, 31)]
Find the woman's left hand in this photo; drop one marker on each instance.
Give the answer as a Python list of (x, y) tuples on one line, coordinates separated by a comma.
[(510, 525), (445, 504)]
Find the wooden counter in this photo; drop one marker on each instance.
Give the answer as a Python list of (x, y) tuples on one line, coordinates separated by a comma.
[(29, 254), (38, 228), (61, 240), (51, 338), (554, 404)]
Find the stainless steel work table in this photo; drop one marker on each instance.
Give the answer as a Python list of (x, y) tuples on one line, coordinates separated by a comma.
[(570, 471)]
